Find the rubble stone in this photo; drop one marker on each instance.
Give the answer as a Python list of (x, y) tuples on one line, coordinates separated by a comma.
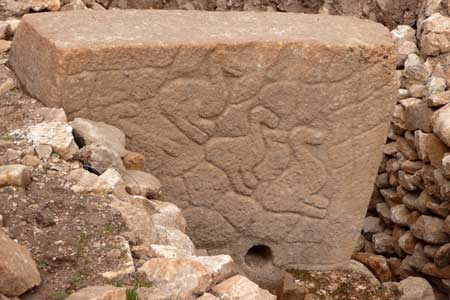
[(15, 175), (240, 288), (18, 269)]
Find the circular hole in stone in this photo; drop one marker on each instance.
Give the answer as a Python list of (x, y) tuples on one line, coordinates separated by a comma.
[(259, 256)]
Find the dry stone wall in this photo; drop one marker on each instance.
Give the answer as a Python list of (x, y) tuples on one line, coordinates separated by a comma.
[(268, 135), (408, 219)]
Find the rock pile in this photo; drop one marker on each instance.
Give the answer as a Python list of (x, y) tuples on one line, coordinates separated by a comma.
[(407, 230), (155, 249)]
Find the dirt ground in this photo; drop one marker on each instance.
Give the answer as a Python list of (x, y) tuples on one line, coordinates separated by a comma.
[(340, 285)]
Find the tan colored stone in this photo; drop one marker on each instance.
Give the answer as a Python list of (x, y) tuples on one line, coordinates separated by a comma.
[(142, 183), (415, 288), (91, 132), (430, 148), (240, 288), (8, 84), (208, 296), (16, 175), (56, 134), (220, 267), (52, 114), (232, 118), (4, 48), (99, 293), (375, 263), (417, 114), (181, 277), (439, 99), (435, 36), (17, 268), (430, 229), (432, 270), (134, 161), (30, 160), (407, 242)]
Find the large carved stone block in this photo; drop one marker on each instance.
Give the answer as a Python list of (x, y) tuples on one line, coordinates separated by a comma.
[(265, 128)]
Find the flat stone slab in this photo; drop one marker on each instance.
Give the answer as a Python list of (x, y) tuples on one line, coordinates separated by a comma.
[(265, 128)]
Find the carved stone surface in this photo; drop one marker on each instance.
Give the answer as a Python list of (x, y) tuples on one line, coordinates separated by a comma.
[(266, 133)]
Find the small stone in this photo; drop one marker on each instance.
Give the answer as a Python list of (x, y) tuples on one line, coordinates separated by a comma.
[(385, 212), (442, 256), (411, 167), (405, 48), (403, 94), (418, 259), (432, 270), (12, 26), (175, 237), (12, 155), (400, 215), (438, 99), (415, 202), (99, 293), (441, 123), (418, 90), (436, 85), (159, 251), (99, 158), (430, 250), (372, 225), (415, 288), (90, 132), (43, 151), (30, 160), (73, 5), (15, 175), (142, 183), (407, 242), (417, 115), (240, 288), (154, 293), (405, 270), (383, 243), (134, 161), (220, 267), (356, 266), (429, 148), (390, 148), (56, 134), (107, 182), (435, 36), (181, 277), (406, 149), (208, 296), (445, 168), (430, 229), (19, 272), (404, 33), (415, 72), (9, 83), (52, 114), (375, 263), (167, 215)]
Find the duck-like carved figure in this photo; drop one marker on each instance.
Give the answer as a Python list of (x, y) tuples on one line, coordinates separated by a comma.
[(297, 190), (237, 156)]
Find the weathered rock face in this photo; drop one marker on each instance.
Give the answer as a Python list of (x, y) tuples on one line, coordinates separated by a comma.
[(19, 272), (267, 135)]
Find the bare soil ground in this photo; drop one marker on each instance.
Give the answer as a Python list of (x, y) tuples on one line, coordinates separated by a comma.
[(70, 235), (340, 285)]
